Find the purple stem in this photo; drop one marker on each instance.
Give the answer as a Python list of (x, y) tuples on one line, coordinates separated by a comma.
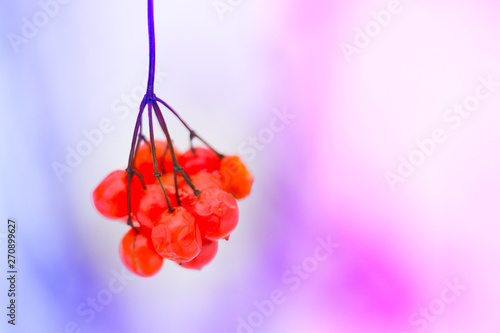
[(177, 167), (150, 101), (157, 173), (152, 49)]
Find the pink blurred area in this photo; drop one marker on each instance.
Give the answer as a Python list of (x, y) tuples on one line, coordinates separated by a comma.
[(399, 248)]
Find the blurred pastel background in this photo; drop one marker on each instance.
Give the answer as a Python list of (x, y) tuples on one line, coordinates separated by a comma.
[(320, 127)]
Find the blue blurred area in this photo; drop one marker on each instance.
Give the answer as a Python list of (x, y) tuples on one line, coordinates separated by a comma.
[(63, 80), (55, 272)]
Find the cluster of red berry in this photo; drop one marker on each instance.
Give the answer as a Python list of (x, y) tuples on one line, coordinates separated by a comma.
[(177, 218)]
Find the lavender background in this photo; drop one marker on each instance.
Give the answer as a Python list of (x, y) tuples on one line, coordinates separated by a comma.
[(321, 175)]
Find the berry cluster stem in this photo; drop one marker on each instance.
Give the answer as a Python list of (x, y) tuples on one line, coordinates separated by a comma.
[(151, 102), (152, 49)]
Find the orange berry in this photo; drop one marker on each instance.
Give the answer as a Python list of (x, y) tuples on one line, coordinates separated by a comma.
[(138, 254), (236, 178)]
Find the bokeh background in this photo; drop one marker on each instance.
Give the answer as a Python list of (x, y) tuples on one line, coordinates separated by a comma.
[(420, 256)]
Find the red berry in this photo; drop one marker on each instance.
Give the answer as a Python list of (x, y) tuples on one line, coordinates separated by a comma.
[(110, 196), (153, 205), (204, 180), (143, 161), (216, 213), (201, 159), (176, 236), (168, 179), (138, 254), (235, 176), (186, 194), (201, 181), (207, 254)]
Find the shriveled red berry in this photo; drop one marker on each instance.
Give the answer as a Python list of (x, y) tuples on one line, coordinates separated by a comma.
[(186, 194), (200, 159), (138, 254), (143, 161), (236, 178), (153, 205), (176, 236), (216, 213), (110, 196), (207, 254), (201, 181)]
